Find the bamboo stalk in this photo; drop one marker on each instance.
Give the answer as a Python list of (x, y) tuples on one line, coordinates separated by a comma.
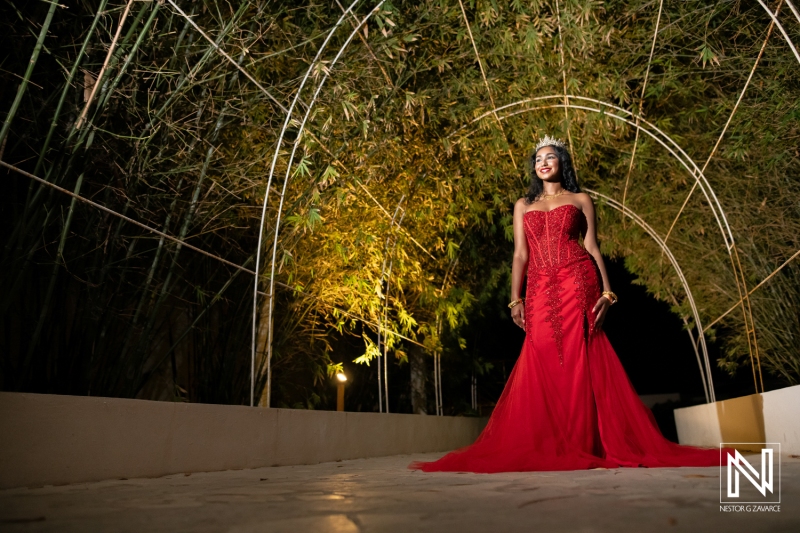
[(45, 308), (148, 281), (31, 202), (184, 229), (67, 86), (99, 80), (76, 147), (165, 286), (183, 84), (217, 297), (27, 77), (229, 58), (129, 57)]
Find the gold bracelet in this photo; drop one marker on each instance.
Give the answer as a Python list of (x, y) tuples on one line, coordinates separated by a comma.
[(515, 302), (611, 297)]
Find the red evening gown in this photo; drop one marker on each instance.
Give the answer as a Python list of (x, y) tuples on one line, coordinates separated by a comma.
[(568, 403)]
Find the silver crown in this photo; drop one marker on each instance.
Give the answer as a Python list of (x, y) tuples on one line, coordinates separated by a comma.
[(549, 141)]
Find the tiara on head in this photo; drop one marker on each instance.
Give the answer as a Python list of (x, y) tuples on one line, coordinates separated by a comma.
[(549, 141)]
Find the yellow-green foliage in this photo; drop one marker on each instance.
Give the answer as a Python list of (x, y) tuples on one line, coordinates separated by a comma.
[(182, 140)]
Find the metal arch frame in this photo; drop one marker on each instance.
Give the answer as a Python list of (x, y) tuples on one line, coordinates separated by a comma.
[(483, 75), (705, 373), (794, 9), (279, 143), (641, 100), (700, 178), (780, 27), (388, 256), (287, 178), (747, 311), (686, 161), (289, 113), (697, 174)]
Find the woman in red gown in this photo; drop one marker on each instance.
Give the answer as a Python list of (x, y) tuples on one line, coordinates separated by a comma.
[(568, 403)]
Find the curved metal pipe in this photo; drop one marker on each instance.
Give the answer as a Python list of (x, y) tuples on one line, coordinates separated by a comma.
[(266, 198), (385, 312), (288, 176), (794, 10), (380, 321), (708, 385), (696, 173), (686, 161), (778, 24)]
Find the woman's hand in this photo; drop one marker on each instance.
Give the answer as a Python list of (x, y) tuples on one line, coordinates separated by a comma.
[(518, 314), (600, 310)]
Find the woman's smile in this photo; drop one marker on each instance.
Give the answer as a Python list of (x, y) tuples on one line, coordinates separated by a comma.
[(546, 163)]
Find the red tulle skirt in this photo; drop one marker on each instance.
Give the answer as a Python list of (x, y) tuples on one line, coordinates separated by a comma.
[(568, 403)]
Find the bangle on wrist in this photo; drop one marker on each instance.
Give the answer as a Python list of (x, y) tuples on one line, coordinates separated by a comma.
[(515, 302), (610, 296)]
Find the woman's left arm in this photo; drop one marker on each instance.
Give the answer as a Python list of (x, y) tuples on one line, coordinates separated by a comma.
[(590, 243)]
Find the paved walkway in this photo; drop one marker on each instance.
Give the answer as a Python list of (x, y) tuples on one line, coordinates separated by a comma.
[(381, 495)]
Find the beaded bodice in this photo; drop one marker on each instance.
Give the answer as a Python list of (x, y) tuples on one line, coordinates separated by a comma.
[(554, 252), (553, 237)]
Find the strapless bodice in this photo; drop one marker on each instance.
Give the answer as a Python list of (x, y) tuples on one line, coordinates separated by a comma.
[(553, 237)]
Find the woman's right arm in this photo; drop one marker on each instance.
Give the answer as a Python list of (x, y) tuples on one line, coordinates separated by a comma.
[(519, 263)]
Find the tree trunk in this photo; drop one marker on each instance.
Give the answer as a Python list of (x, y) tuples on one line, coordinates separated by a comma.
[(262, 349), (419, 399)]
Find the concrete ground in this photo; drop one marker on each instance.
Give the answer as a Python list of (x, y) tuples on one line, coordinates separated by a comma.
[(377, 495)]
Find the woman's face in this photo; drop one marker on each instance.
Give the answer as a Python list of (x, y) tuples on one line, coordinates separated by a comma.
[(547, 164)]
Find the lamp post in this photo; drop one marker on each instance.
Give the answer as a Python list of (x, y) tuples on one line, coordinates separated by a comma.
[(340, 391)]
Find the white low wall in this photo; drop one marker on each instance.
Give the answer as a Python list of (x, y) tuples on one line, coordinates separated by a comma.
[(772, 416), (47, 439)]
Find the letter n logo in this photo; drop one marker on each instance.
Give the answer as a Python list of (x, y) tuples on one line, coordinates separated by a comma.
[(762, 479)]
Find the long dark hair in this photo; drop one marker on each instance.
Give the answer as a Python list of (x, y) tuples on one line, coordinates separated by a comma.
[(568, 178)]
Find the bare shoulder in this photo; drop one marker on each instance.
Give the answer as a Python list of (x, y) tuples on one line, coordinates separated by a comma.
[(521, 205), (584, 200)]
